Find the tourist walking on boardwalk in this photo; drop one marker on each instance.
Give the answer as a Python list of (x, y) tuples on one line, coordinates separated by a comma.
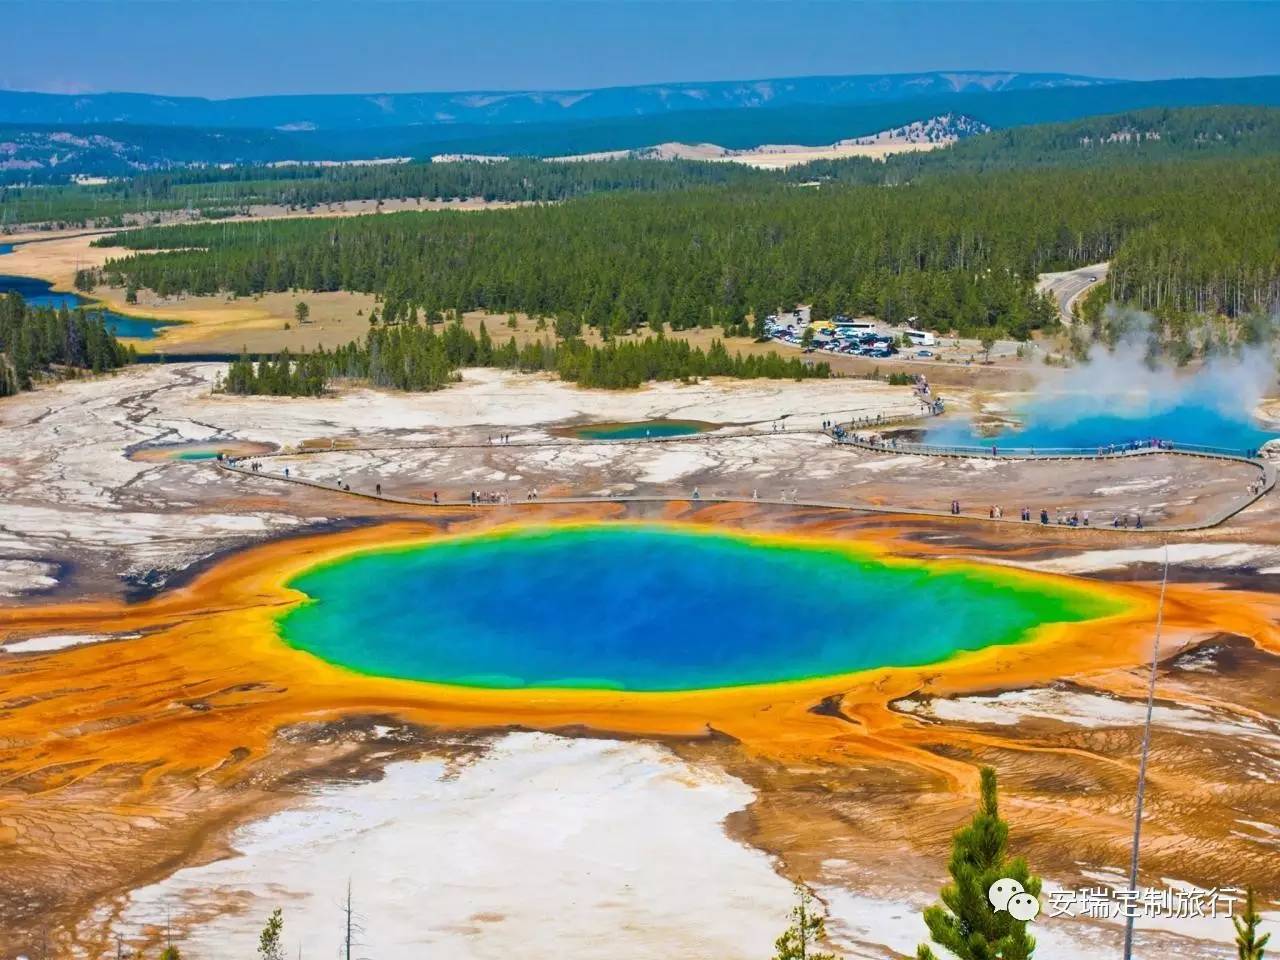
[(435, 496), (377, 488)]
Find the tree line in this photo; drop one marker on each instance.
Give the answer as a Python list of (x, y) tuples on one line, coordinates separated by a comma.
[(961, 252), (37, 342), (217, 192), (1140, 136), (413, 357)]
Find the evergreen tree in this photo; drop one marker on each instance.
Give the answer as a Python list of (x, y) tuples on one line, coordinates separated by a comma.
[(965, 923), (269, 945), (1249, 945), (808, 929), (987, 340), (36, 342)]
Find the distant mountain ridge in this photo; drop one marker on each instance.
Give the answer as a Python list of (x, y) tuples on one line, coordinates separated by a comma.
[(52, 152), (312, 112)]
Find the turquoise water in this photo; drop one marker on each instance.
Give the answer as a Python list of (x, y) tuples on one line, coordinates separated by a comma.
[(6, 248), (1058, 422), (640, 430), (39, 293), (189, 452), (652, 608)]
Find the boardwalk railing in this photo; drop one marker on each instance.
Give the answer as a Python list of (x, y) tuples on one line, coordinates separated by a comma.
[(1267, 480), (890, 445)]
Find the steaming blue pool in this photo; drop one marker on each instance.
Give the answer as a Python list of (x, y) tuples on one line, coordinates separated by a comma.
[(39, 293), (1060, 421)]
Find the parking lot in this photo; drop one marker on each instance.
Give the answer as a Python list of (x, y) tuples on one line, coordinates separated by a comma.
[(871, 339)]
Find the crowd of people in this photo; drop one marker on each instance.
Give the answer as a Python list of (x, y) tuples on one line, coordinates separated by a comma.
[(1150, 444), (1061, 517)]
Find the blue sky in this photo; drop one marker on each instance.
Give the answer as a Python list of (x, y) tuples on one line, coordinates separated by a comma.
[(225, 49)]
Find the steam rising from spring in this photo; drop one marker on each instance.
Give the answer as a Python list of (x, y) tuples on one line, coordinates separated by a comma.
[(1134, 380)]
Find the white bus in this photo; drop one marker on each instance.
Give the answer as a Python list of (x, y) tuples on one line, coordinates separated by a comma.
[(854, 326), (921, 338)]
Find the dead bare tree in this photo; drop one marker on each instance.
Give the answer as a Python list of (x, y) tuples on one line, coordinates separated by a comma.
[(353, 929)]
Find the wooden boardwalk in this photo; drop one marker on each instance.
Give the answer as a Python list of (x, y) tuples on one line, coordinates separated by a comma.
[(1267, 474)]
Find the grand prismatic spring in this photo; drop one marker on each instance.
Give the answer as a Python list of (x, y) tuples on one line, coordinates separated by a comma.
[(294, 654), (649, 608)]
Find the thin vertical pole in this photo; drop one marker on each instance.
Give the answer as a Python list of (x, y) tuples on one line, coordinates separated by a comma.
[(1142, 762)]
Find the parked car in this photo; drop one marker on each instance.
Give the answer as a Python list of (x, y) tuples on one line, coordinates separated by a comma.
[(923, 354)]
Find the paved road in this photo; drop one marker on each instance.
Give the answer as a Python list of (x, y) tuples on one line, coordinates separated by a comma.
[(1067, 287)]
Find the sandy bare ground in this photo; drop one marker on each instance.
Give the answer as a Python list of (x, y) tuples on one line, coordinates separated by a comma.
[(772, 156), (56, 260), (783, 156)]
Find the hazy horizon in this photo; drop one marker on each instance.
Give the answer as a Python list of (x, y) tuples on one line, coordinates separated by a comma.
[(228, 50), (615, 86)]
